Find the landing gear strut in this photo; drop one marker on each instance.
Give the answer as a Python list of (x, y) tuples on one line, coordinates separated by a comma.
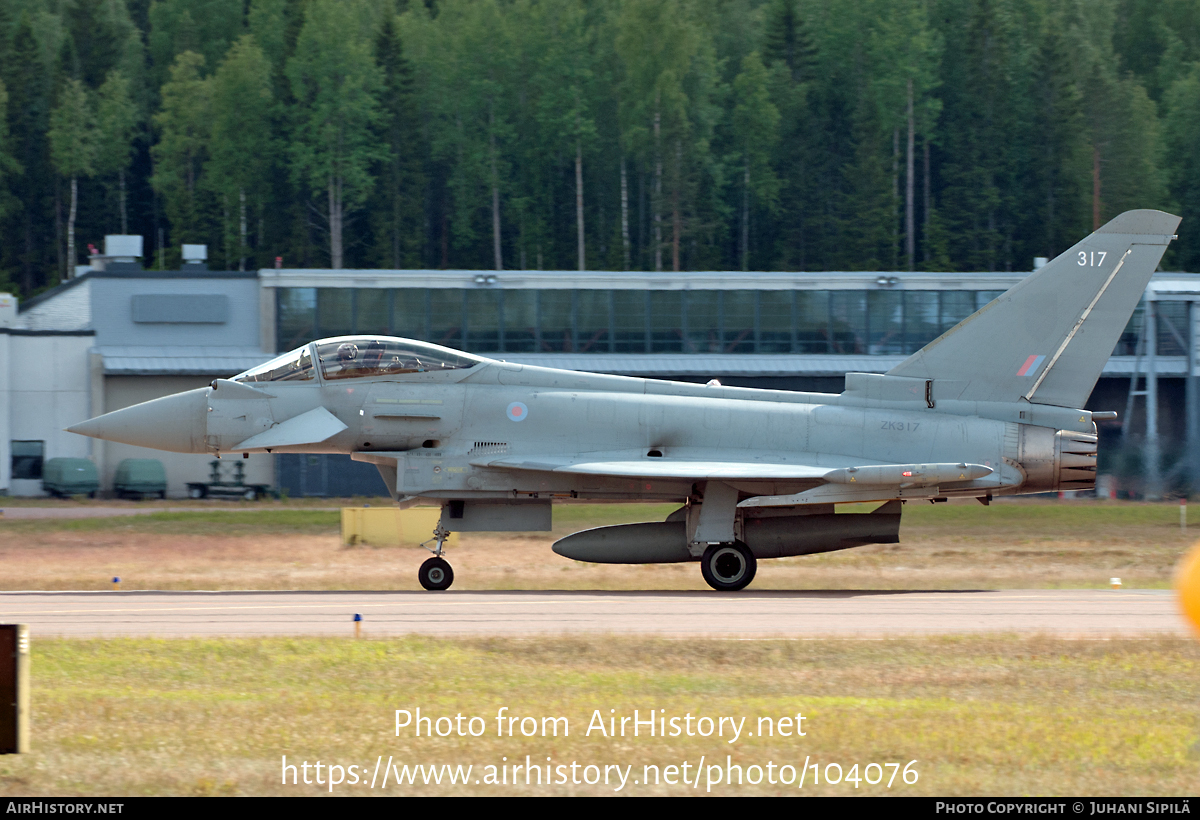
[(728, 567), (436, 573)]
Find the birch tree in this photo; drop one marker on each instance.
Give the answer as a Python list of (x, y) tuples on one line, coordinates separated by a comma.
[(72, 150), (179, 157), (117, 115), (756, 130), (240, 146), (907, 53), (665, 93), (336, 83), (556, 35)]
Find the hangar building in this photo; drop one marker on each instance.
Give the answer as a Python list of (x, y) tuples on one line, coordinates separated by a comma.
[(117, 334)]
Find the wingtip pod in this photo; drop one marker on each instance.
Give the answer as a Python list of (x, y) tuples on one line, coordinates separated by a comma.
[(1146, 222)]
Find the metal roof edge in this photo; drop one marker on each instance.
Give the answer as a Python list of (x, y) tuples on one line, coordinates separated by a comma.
[(175, 274), (46, 295), (20, 331)]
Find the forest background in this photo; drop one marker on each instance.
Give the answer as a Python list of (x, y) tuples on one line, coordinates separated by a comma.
[(592, 134)]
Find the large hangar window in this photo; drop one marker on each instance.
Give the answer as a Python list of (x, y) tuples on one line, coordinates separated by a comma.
[(373, 312), (447, 316), (593, 321), (740, 321), (296, 312), (921, 325), (556, 321), (335, 311), (520, 321), (410, 313), (491, 320), (629, 321)]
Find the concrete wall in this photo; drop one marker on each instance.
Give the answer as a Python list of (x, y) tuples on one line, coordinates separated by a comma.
[(43, 389), (125, 391), (112, 312)]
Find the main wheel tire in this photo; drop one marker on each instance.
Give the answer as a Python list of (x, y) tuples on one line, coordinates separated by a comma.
[(435, 574), (728, 567)]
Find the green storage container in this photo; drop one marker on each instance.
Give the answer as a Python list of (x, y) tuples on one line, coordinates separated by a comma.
[(140, 477), (70, 476)]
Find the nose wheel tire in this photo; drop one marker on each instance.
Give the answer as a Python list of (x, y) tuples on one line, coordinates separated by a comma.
[(435, 574), (728, 567)]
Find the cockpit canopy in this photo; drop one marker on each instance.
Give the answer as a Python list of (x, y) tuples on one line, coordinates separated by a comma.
[(290, 367), (349, 357), (354, 357)]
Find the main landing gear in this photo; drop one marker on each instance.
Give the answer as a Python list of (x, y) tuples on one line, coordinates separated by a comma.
[(728, 567), (435, 573)]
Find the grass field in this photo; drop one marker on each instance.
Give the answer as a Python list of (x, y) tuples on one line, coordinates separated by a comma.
[(980, 715), (1022, 544)]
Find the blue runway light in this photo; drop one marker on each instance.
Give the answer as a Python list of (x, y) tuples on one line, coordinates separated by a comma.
[(357, 625)]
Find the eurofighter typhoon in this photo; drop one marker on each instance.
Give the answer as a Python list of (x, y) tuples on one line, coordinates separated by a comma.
[(992, 407)]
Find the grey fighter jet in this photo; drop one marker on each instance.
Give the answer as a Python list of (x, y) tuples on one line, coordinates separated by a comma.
[(991, 407)]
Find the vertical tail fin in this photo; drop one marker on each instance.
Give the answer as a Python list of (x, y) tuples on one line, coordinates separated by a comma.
[(1047, 339)]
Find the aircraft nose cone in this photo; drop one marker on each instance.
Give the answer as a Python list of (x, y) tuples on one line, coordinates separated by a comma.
[(175, 423)]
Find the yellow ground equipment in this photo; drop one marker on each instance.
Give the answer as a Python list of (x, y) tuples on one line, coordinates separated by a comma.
[(389, 527)]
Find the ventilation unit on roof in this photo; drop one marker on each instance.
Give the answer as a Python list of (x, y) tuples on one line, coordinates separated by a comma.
[(195, 253), (121, 252), (122, 247)]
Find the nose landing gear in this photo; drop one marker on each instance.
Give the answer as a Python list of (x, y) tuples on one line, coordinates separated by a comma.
[(435, 573)]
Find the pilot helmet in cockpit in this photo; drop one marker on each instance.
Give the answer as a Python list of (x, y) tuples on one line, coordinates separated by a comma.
[(347, 352)]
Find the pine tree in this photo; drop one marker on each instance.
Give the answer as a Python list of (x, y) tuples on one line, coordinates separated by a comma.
[(667, 94), (1062, 154), (400, 190), (1182, 124), (787, 41), (30, 100), (10, 168)]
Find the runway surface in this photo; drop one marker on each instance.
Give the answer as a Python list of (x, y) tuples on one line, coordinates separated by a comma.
[(1067, 613)]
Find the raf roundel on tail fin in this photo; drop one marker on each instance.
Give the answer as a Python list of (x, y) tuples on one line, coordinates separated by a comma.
[(1047, 339)]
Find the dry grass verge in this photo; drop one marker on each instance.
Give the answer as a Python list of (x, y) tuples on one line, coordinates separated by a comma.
[(1027, 544)]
